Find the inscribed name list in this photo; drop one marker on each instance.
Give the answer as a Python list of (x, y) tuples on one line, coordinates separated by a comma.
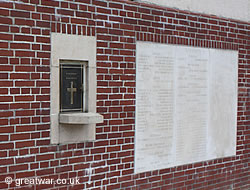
[(176, 114)]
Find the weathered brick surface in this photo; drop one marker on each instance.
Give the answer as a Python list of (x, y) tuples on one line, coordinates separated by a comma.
[(25, 27)]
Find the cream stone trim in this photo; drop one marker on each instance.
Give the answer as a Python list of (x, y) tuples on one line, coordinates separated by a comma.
[(80, 118), (73, 127)]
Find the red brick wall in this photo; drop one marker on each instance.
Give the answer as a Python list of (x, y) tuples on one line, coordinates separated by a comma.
[(25, 149)]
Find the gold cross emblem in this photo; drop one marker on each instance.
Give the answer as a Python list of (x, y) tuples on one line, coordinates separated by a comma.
[(71, 90)]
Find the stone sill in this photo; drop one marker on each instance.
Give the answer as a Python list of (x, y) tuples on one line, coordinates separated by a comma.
[(80, 118)]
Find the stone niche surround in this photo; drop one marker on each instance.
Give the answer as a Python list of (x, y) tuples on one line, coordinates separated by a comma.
[(79, 126)]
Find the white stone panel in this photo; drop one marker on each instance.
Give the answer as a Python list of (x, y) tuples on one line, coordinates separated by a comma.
[(191, 107), (223, 103), (154, 99), (186, 105), (238, 10)]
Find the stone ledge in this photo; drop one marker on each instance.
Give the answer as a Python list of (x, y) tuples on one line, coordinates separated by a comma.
[(80, 118)]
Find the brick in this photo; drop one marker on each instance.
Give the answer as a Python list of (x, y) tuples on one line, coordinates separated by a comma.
[(24, 98), (5, 20), (44, 157), (6, 52), (4, 106), (42, 83), (45, 172), (23, 38), (24, 69), (114, 149), (83, 14), (7, 161), (4, 12), (25, 113), (24, 83), (43, 55), (6, 98), (130, 21), (4, 29), (20, 76), (50, 3), (42, 142), (23, 14), (79, 21), (24, 144), (7, 37), (99, 3), (4, 146), (3, 60), (45, 9), (43, 24), (6, 113), (26, 174), (3, 122), (65, 12), (24, 54), (25, 7), (20, 46), (18, 168), (4, 75), (103, 10), (25, 22), (180, 16), (43, 98)]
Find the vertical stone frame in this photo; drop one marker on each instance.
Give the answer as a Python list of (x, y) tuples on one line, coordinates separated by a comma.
[(74, 48)]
